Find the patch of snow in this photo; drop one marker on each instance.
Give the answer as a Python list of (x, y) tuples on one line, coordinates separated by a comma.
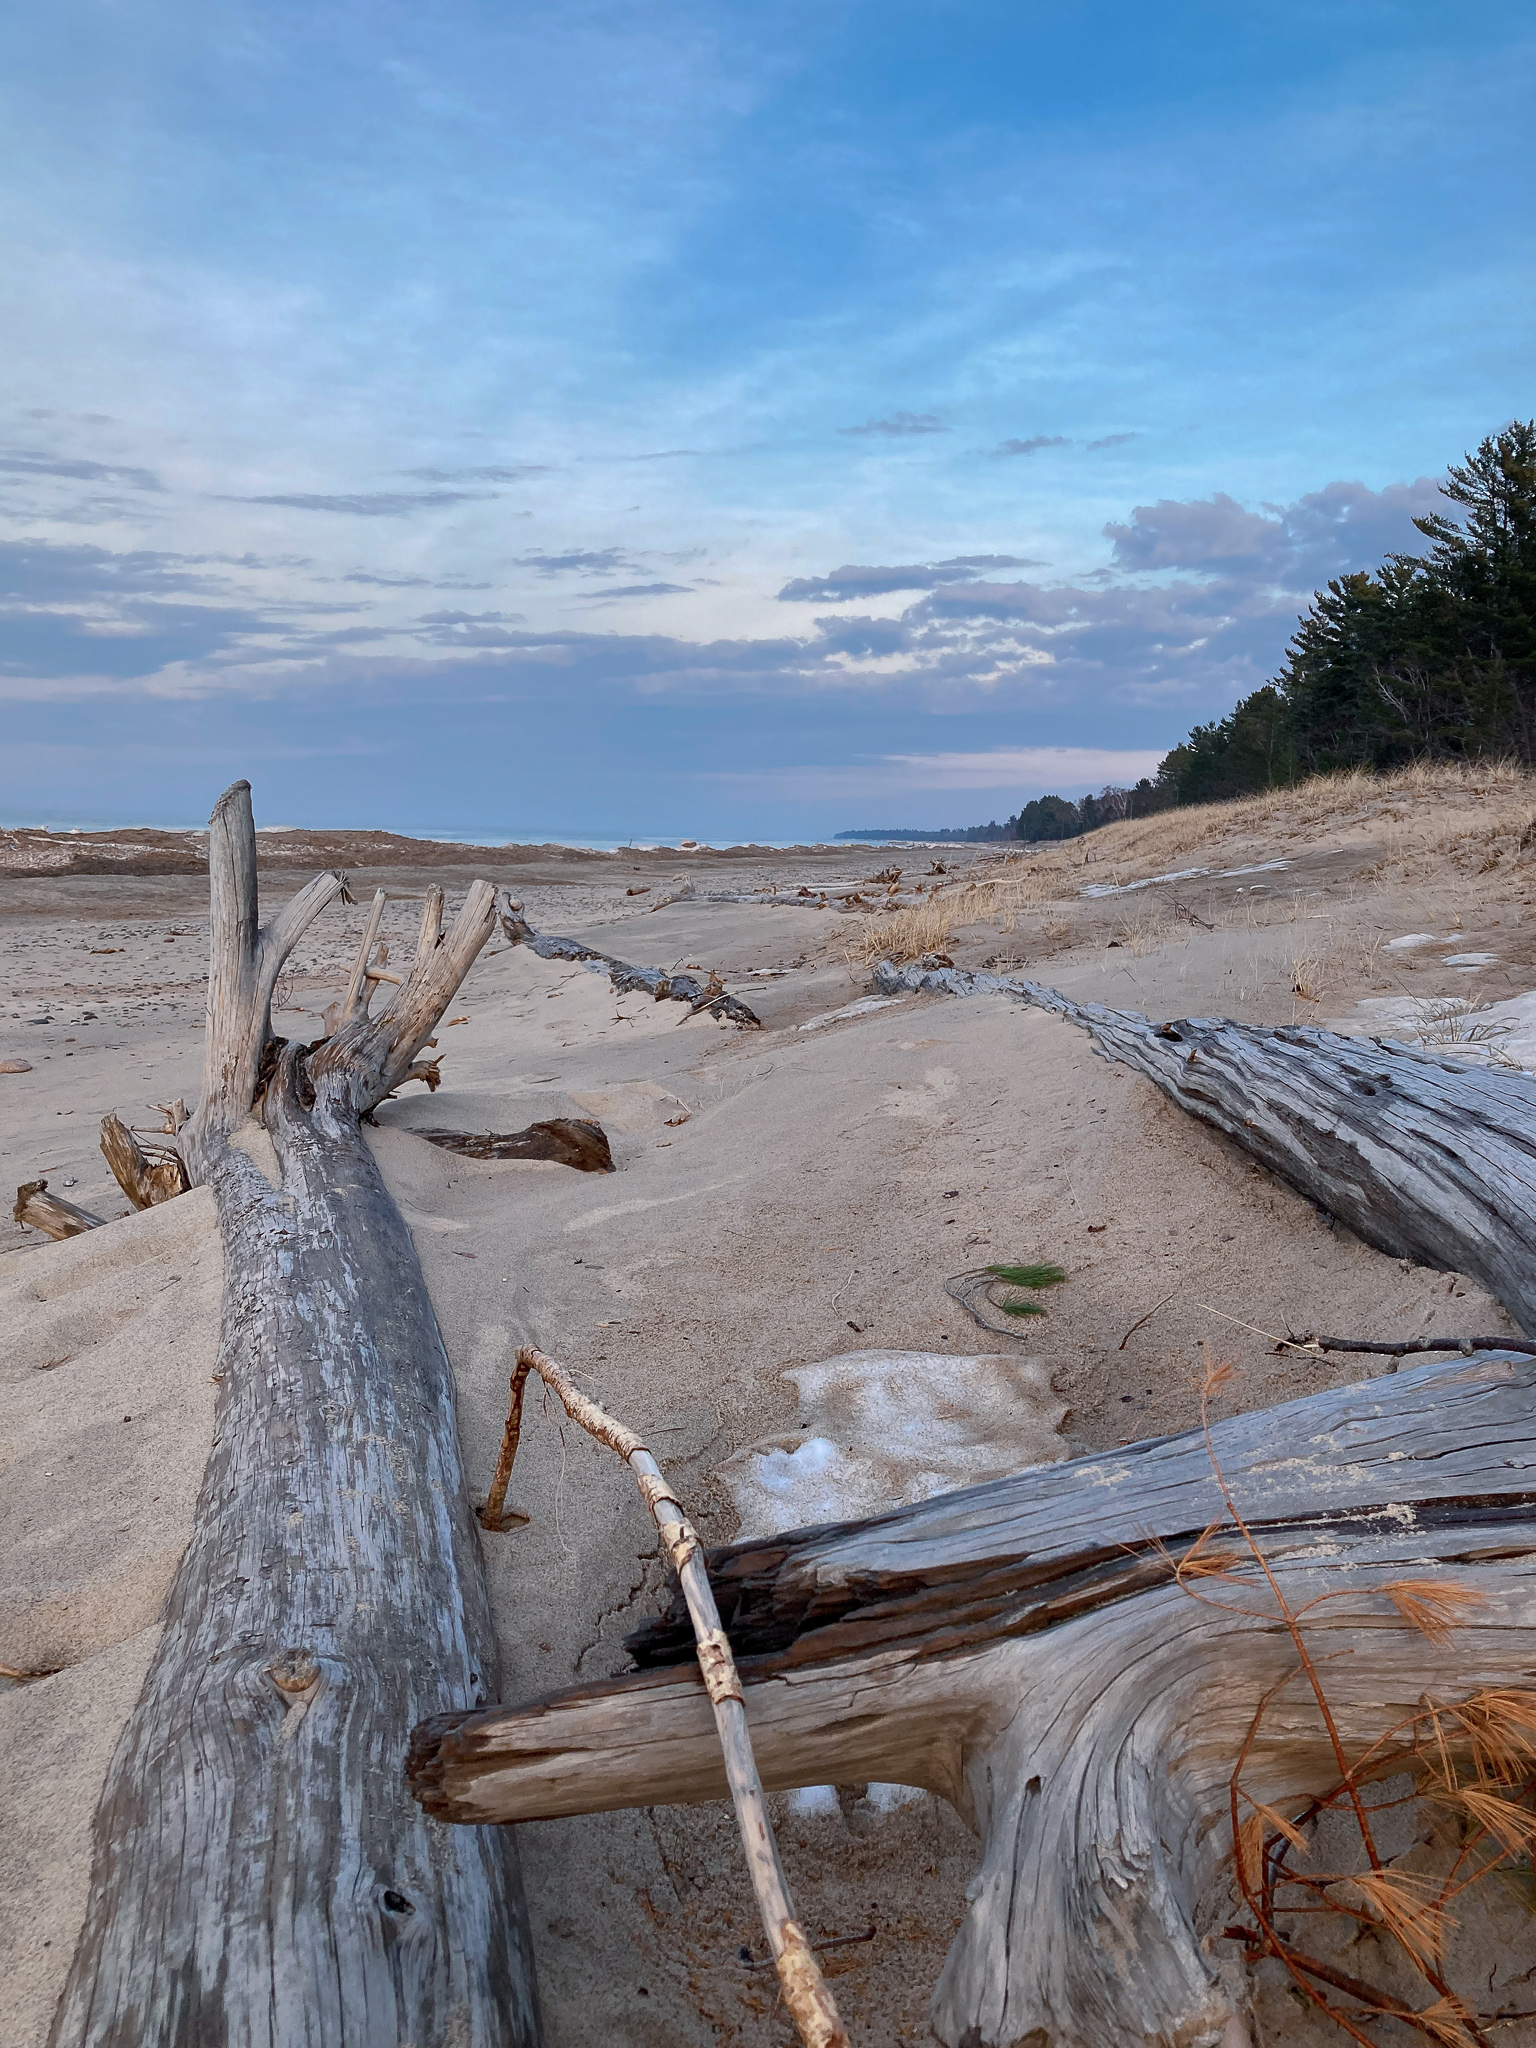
[(1410, 939), (1492, 1034), (1465, 962), (882, 1429), (1127, 888), (814, 1800), (1259, 867), (859, 1009)]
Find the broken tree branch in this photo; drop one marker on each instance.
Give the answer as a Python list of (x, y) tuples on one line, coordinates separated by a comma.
[(809, 2001), (143, 1180), (36, 1209), (653, 981)]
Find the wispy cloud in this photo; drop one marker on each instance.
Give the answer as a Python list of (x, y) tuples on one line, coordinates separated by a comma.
[(1112, 441), (578, 562), (1033, 445), (856, 580), (900, 425), (610, 596), (511, 475), (364, 504), (28, 462)]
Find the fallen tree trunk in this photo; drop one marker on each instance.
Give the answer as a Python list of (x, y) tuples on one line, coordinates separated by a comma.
[(260, 1878), (652, 981), (1425, 1158), (1023, 1649)]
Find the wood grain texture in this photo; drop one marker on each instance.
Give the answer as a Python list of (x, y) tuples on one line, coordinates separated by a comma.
[(1019, 1648), (568, 1140), (145, 1180), (1428, 1159), (260, 1877), (36, 1209)]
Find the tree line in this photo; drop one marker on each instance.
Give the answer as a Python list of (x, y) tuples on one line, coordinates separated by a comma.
[(1431, 658)]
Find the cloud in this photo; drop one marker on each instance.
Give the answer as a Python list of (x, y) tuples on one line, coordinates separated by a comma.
[(1014, 772), (29, 462), (578, 562), (1296, 547), (900, 425), (1033, 445), (493, 476), (856, 580), (1111, 441), (1193, 609), (366, 504), (639, 590), (413, 582)]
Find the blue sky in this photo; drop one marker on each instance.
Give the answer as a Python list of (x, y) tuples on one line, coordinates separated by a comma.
[(738, 420)]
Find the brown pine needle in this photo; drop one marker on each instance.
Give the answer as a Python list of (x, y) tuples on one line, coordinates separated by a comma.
[(1512, 1827), (1408, 1906), (1434, 1606)]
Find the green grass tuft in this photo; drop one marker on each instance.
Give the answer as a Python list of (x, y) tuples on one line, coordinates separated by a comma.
[(1034, 1277)]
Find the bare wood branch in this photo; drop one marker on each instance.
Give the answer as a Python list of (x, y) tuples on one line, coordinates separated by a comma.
[(143, 1180), (810, 2003), (652, 981), (244, 963), (36, 1209), (354, 1001)]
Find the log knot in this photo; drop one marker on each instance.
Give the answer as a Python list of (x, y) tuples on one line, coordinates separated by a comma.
[(722, 1681)]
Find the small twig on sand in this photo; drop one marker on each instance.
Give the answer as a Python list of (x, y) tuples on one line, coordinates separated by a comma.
[(821, 1947), (809, 2001), (1309, 1345), (1142, 1320)]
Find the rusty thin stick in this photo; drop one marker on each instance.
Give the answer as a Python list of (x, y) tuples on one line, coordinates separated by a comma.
[(810, 2003), (493, 1515)]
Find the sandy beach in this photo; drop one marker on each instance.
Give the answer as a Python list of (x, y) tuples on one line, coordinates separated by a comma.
[(783, 1197)]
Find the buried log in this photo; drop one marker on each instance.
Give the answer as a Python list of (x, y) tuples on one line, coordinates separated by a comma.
[(260, 1876), (1027, 1650), (652, 981), (568, 1140), (1423, 1157), (36, 1209)]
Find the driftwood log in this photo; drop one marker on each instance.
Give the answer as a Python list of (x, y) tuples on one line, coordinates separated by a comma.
[(651, 981), (1425, 1158), (36, 1209), (1022, 1649), (260, 1877), (568, 1140)]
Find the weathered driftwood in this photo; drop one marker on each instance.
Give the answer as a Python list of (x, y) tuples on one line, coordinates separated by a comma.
[(1021, 1648), (36, 1209), (652, 981), (260, 1878), (144, 1180), (810, 2004), (568, 1140), (1423, 1157)]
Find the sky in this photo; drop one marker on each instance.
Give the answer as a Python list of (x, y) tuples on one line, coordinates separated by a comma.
[(744, 421)]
